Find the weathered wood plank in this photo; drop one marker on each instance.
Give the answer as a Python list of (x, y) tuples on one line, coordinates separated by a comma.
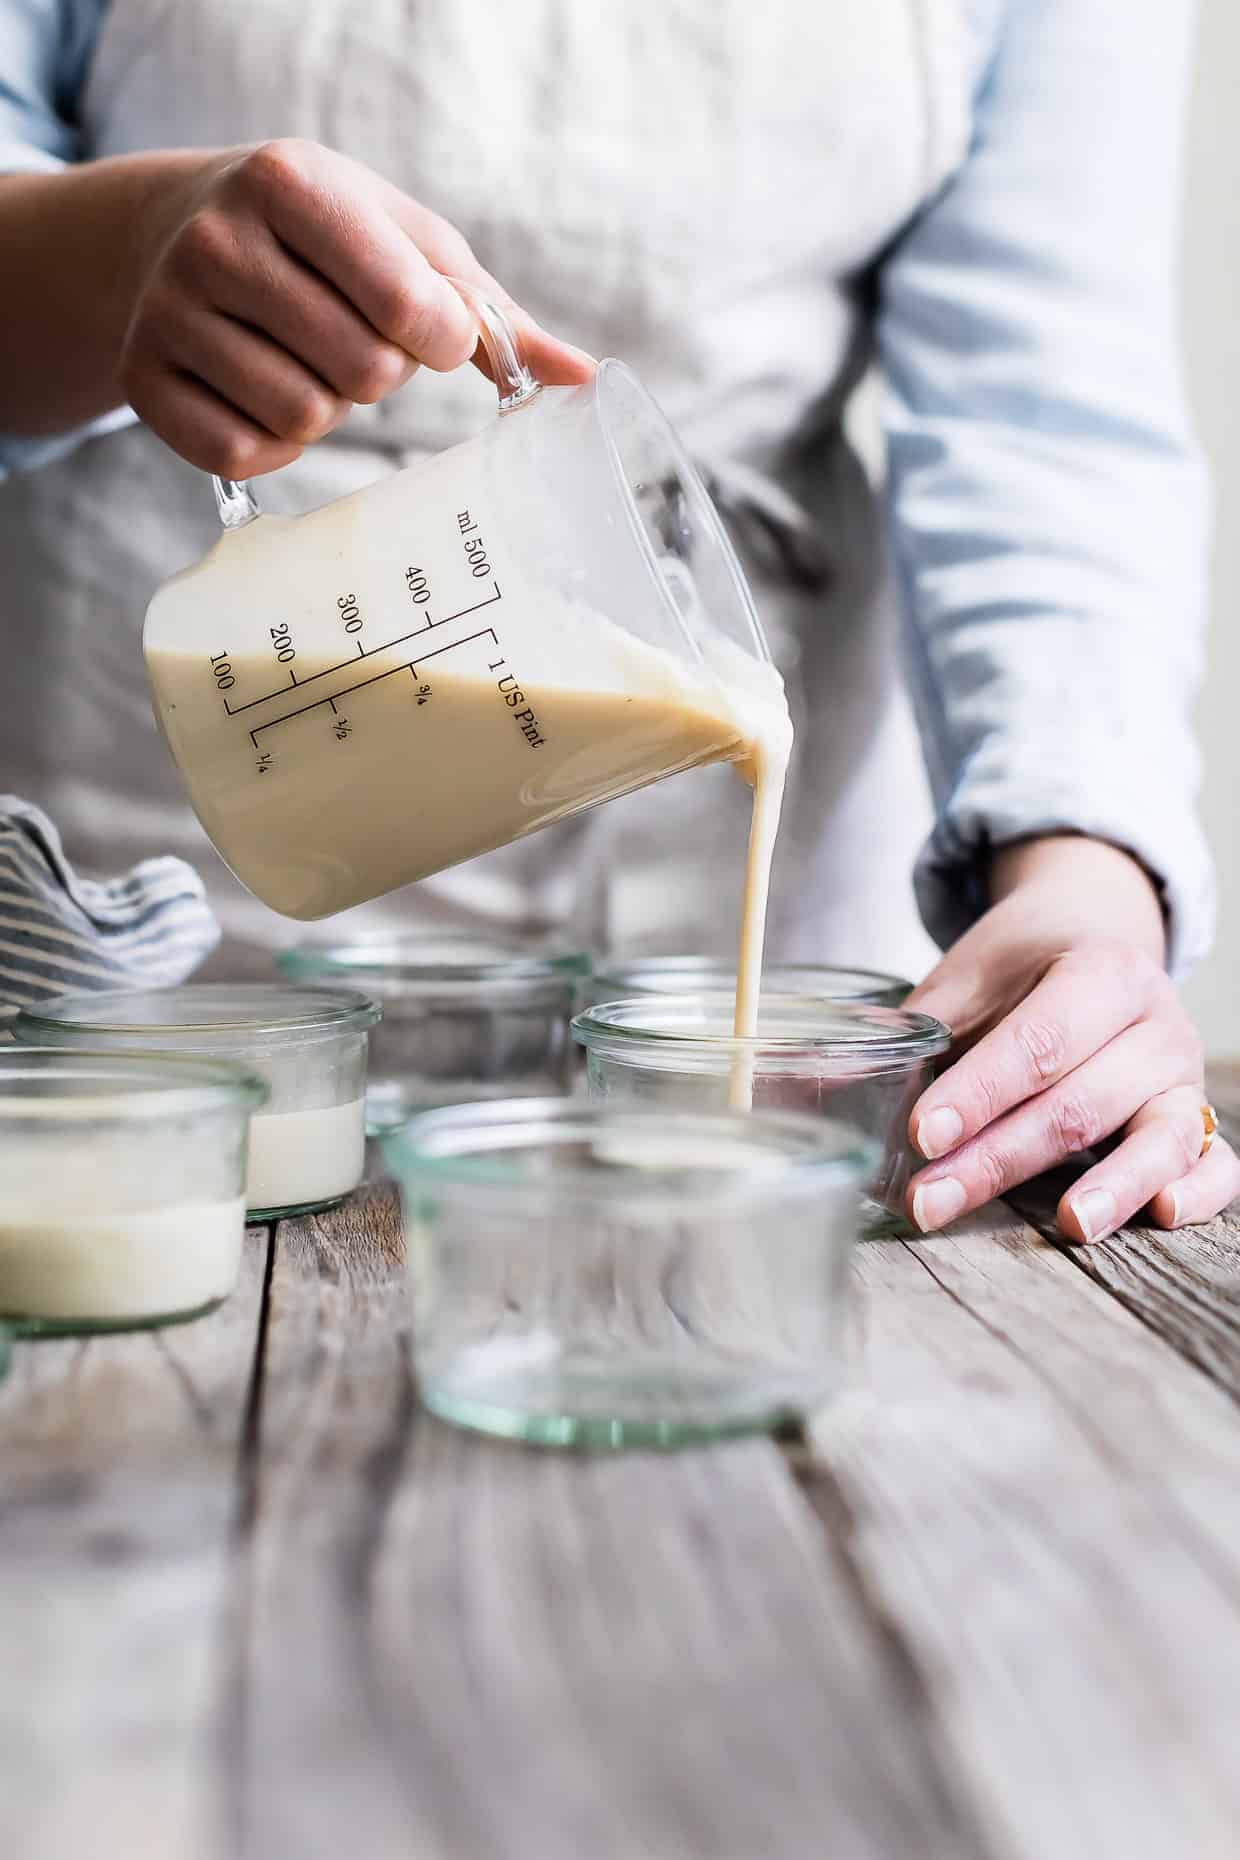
[(1043, 1500), (466, 1650), (1185, 1285), (119, 1462)]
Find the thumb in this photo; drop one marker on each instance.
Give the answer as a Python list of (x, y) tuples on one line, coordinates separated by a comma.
[(953, 992), (549, 359)]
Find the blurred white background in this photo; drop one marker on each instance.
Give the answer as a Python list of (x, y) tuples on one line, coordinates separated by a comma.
[(1212, 307)]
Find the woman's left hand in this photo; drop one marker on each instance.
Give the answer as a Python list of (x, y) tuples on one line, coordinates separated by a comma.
[(1069, 1033)]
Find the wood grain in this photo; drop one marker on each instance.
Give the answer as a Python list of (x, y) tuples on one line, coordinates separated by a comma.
[(464, 1650), (1185, 1285), (120, 1461), (1043, 1502)]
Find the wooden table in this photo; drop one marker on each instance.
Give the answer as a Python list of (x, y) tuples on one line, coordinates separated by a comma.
[(254, 1603)]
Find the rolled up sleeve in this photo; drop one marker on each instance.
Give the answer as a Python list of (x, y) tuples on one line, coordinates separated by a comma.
[(45, 47), (45, 50), (1048, 507)]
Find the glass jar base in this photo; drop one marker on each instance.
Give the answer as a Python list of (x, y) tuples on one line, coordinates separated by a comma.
[(880, 1223), (593, 1409), (30, 1327), (287, 1212)]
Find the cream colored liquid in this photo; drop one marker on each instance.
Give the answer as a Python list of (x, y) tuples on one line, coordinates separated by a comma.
[(414, 788), (302, 1156), (765, 765), (330, 763), (112, 1265)]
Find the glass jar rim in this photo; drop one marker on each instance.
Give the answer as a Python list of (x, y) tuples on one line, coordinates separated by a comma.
[(711, 972), (667, 1030), (69, 1085), (473, 1146), (430, 958), (200, 1009)]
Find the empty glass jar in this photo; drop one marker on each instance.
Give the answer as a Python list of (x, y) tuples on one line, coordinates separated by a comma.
[(464, 1017), (864, 1066), (595, 1276), (622, 980)]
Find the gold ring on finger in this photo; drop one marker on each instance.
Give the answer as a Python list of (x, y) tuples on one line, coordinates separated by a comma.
[(1209, 1126)]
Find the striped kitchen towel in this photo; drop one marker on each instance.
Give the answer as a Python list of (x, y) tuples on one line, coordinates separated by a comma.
[(60, 933)]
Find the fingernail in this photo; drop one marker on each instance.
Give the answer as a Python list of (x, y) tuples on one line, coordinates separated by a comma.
[(1094, 1212), (939, 1131), (936, 1203), (1173, 1196)]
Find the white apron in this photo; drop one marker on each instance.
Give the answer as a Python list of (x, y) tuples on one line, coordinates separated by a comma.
[(694, 185)]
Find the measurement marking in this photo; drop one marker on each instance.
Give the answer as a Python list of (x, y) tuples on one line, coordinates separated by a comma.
[(486, 633), (458, 616), (293, 676), (332, 702), (235, 710)]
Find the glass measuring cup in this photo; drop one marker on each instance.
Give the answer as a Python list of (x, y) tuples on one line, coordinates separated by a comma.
[(539, 619)]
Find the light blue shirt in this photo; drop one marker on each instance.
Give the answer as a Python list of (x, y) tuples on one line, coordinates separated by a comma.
[(1047, 505)]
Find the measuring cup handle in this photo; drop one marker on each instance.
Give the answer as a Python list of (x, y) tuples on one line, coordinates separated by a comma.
[(510, 371), (235, 502)]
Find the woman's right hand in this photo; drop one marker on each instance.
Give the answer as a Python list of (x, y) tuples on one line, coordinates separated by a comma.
[(283, 284)]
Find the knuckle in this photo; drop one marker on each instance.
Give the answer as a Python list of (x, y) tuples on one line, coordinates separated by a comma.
[(1188, 1143), (376, 373), (411, 314), (1138, 975), (1043, 1044), (236, 454), (1074, 1124), (987, 1099), (991, 1168), (277, 166), (309, 414), (449, 243), (204, 243)]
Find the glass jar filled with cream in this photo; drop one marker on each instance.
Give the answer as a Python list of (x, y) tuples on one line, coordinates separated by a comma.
[(122, 1186), (307, 1146)]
